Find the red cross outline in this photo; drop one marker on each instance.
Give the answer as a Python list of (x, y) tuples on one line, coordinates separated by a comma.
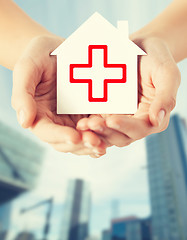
[(106, 65)]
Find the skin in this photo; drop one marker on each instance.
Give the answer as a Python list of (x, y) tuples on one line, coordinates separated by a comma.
[(34, 99), (34, 82), (164, 41), (159, 79)]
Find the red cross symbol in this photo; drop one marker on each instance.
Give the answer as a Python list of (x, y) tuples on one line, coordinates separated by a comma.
[(99, 68)]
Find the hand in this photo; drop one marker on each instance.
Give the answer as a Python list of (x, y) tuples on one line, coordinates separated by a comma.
[(34, 99), (159, 79)]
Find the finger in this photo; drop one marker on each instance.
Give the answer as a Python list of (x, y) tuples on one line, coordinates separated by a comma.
[(133, 128), (89, 152), (25, 79), (166, 83), (82, 124), (79, 149), (90, 139), (53, 133), (66, 147), (113, 137), (94, 143)]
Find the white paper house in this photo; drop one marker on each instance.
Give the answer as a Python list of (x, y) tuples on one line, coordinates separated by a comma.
[(97, 69)]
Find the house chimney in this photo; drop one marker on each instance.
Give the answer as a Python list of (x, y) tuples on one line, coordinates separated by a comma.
[(124, 29)]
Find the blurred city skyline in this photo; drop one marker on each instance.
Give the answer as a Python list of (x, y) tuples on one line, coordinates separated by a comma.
[(33, 216)]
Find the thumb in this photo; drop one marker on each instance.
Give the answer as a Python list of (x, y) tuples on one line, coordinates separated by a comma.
[(165, 95), (25, 80)]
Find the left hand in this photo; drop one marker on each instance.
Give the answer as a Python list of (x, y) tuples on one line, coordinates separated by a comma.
[(34, 99), (158, 82)]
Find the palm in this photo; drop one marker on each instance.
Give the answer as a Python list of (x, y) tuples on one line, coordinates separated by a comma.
[(37, 94), (45, 97), (44, 69), (156, 71), (146, 89), (158, 82)]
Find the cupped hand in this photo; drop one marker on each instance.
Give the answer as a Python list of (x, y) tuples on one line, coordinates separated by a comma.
[(158, 82), (34, 99)]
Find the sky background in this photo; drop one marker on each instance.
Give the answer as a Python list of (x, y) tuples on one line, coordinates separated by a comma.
[(121, 174)]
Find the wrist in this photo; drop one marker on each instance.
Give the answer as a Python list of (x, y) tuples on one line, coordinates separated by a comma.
[(144, 38), (43, 39)]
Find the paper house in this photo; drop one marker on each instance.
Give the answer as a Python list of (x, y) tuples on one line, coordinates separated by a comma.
[(97, 69)]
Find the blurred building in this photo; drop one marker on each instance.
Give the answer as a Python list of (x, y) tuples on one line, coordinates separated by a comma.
[(5, 221), (131, 228), (167, 167), (146, 228), (20, 163), (76, 215), (92, 238), (5, 218), (3, 235), (106, 235), (115, 208), (25, 236)]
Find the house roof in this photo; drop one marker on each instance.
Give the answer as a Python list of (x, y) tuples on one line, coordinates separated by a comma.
[(102, 26)]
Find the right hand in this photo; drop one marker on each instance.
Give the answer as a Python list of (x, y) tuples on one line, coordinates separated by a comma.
[(158, 82)]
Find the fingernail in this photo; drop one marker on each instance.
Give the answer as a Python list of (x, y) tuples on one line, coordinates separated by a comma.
[(161, 116), (88, 145), (21, 117)]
